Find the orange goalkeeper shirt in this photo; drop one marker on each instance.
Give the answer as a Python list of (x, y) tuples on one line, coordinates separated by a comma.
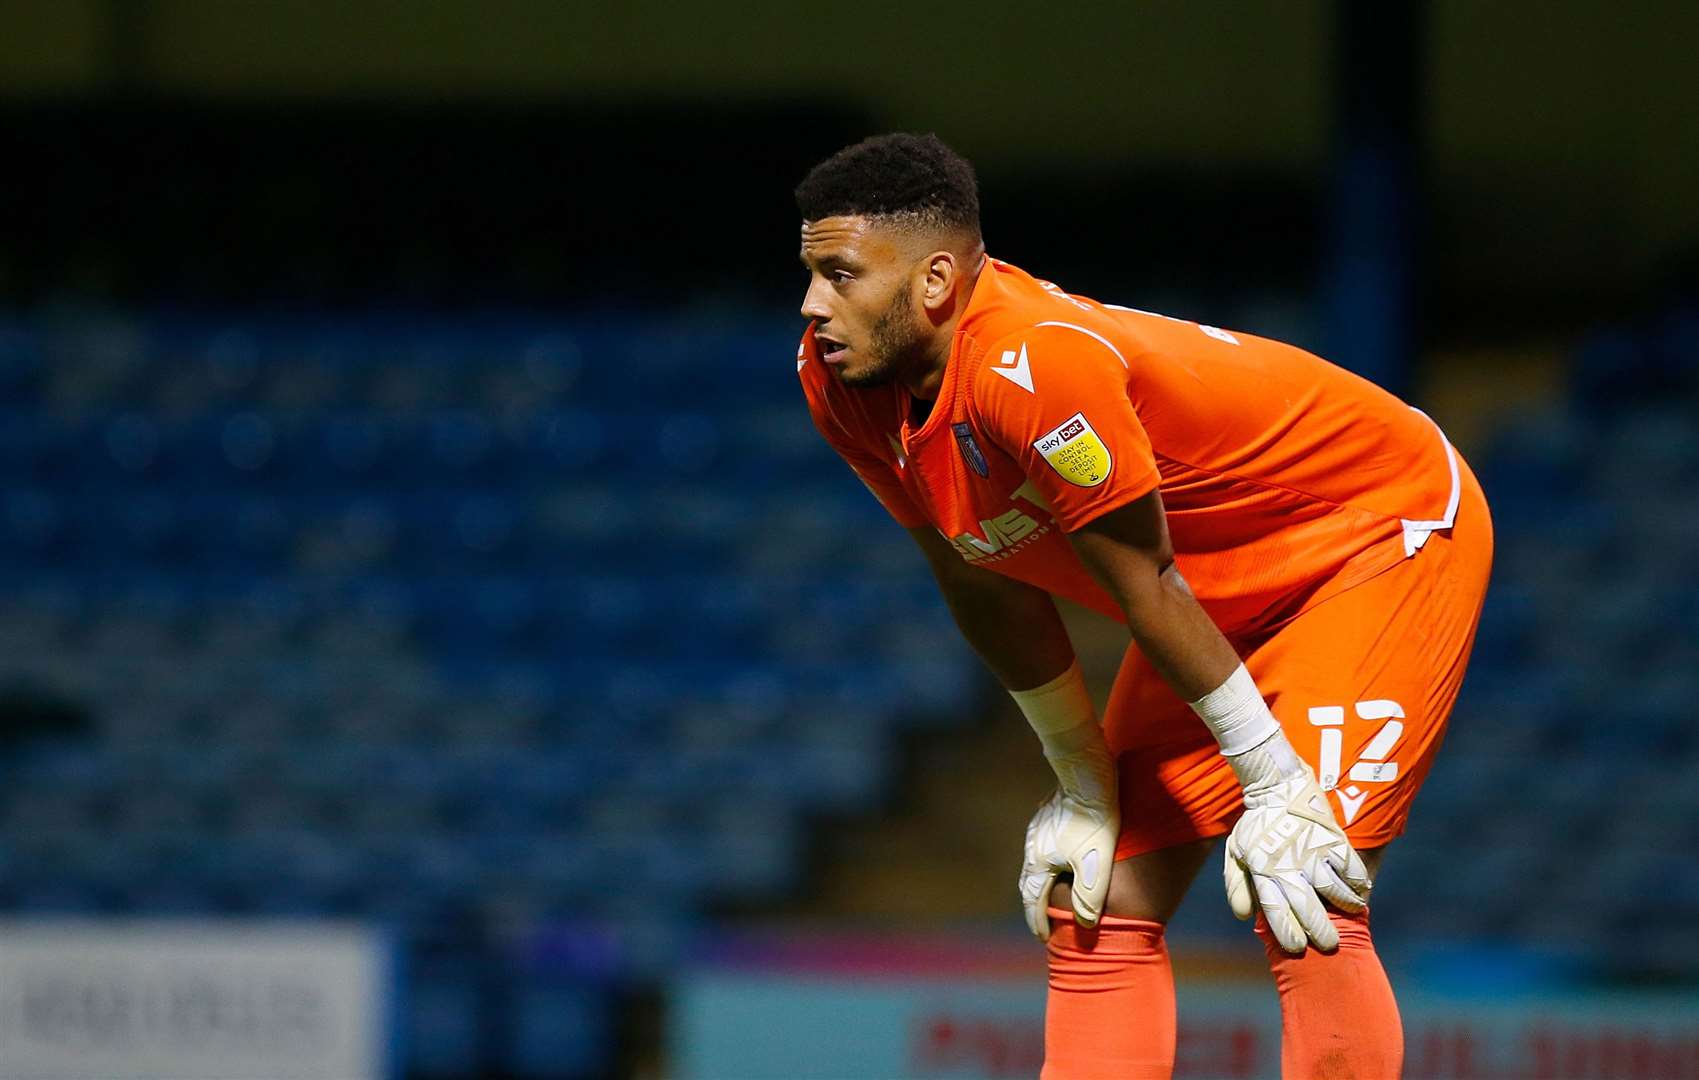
[(1286, 479)]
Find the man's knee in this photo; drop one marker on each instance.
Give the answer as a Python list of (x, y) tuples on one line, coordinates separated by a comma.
[(1149, 886), (1372, 859)]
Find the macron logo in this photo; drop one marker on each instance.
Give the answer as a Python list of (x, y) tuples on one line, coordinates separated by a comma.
[(1016, 370)]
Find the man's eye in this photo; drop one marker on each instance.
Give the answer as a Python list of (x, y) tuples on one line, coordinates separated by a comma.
[(842, 276)]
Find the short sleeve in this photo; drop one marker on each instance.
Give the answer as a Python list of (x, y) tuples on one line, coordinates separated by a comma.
[(1054, 397), (876, 473)]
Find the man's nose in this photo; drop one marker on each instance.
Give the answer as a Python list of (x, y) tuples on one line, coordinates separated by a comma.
[(814, 302)]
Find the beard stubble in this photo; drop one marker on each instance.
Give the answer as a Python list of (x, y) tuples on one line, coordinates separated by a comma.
[(894, 343)]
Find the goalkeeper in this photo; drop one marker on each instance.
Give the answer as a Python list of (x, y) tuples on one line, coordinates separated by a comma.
[(1300, 559)]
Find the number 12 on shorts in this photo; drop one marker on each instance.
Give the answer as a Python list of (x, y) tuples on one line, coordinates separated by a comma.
[(1372, 766)]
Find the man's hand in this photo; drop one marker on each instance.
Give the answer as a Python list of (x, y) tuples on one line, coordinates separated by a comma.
[(1289, 851), (1074, 831)]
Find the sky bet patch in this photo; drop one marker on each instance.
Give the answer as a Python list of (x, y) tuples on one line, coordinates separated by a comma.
[(1073, 449)]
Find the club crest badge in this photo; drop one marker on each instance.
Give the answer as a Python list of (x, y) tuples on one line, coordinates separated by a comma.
[(1073, 449), (971, 453)]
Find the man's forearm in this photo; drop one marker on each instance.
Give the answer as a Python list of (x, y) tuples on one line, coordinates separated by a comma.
[(1128, 550), (1014, 628), (1129, 553), (1192, 655), (1178, 637)]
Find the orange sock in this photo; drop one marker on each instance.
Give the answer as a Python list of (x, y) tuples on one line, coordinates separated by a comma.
[(1110, 1015), (1338, 1017)]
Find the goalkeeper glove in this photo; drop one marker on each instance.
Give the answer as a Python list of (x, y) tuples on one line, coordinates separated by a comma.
[(1289, 851), (1286, 848), (1073, 831)]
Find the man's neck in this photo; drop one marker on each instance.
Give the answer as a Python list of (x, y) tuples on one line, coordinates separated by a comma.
[(925, 384)]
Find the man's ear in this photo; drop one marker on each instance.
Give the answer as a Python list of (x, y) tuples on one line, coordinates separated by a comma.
[(938, 289)]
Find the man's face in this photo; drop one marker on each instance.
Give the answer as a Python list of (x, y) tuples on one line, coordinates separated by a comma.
[(862, 297)]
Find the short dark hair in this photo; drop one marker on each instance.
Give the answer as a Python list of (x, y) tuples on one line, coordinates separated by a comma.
[(900, 175)]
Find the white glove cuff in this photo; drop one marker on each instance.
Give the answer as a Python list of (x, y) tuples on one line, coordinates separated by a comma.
[(1236, 714), (1060, 712)]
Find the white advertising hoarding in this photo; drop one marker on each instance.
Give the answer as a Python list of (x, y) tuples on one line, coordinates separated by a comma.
[(193, 1001)]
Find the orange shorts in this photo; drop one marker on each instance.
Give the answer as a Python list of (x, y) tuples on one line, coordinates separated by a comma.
[(1362, 684)]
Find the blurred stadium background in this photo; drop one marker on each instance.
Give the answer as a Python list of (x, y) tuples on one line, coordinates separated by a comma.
[(434, 642)]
